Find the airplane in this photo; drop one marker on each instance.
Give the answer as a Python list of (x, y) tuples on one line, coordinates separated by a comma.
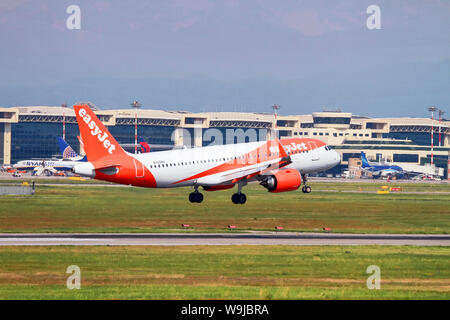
[(279, 166), (380, 170), (38, 166), (42, 166)]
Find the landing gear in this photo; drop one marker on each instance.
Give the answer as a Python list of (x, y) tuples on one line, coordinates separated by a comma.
[(196, 196), (305, 188), (239, 197)]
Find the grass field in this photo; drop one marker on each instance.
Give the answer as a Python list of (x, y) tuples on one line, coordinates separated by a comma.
[(225, 272), (343, 207)]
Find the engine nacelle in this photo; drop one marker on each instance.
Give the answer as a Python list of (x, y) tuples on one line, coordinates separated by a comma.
[(283, 180)]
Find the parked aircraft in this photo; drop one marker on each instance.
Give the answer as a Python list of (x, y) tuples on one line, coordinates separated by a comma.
[(45, 166), (278, 166), (380, 170), (52, 166)]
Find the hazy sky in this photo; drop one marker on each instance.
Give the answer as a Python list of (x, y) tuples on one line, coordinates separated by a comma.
[(210, 55)]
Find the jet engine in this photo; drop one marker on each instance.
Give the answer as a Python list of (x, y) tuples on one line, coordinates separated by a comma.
[(282, 181)]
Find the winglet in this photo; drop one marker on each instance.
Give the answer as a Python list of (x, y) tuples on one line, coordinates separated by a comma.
[(283, 153), (285, 158)]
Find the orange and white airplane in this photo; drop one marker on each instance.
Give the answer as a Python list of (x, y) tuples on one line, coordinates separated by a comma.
[(278, 165)]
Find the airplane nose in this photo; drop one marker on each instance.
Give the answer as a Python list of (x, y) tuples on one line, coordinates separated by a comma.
[(337, 157)]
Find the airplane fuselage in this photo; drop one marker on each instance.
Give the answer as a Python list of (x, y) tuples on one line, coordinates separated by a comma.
[(62, 165), (206, 165)]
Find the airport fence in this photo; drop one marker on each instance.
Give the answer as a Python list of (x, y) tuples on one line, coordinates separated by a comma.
[(17, 190)]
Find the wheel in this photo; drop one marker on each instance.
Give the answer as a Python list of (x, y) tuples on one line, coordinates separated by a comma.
[(235, 198), (239, 198), (307, 189), (304, 189), (196, 197)]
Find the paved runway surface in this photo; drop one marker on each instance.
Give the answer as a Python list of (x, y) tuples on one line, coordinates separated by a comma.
[(179, 239)]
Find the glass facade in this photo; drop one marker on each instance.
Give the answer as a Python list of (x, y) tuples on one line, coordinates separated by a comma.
[(346, 156), (332, 120), (38, 140), (414, 158), (370, 142), (151, 134), (419, 138), (222, 135)]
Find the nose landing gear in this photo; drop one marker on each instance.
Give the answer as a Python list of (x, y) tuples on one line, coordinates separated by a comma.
[(305, 188)]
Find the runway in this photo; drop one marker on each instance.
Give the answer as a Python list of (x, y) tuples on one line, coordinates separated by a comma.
[(185, 239)]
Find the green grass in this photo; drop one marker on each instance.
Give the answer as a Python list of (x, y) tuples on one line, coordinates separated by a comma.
[(72, 208), (225, 272)]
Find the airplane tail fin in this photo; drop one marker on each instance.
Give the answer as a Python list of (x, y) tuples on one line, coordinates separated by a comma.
[(66, 150), (144, 145), (98, 143), (365, 163)]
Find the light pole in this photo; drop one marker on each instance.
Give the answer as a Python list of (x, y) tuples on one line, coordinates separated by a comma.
[(64, 105), (275, 108), (136, 105), (441, 113), (432, 110)]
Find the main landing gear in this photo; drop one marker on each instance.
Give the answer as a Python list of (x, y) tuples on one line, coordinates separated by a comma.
[(196, 196), (239, 197), (305, 188)]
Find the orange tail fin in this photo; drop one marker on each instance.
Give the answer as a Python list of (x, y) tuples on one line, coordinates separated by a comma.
[(98, 143)]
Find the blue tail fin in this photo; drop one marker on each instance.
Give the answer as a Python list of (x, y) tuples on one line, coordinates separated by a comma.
[(66, 150), (365, 163)]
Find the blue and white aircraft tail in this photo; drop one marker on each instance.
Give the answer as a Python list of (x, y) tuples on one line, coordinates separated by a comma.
[(365, 163), (67, 151)]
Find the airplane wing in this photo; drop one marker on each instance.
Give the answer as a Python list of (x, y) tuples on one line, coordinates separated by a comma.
[(248, 172)]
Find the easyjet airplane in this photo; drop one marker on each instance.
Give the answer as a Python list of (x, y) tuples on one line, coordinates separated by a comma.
[(278, 165)]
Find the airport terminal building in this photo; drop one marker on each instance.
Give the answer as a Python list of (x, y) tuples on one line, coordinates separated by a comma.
[(30, 132)]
